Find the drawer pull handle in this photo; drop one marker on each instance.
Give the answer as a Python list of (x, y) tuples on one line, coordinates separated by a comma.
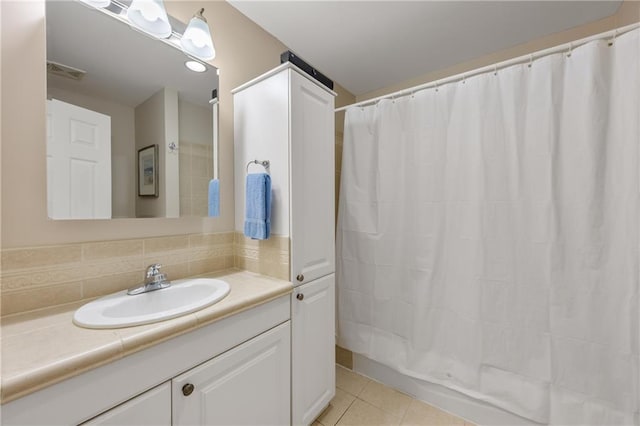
[(300, 277), (299, 296), (187, 389)]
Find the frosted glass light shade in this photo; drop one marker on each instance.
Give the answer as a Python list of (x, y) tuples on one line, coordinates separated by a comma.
[(150, 16), (196, 40), (97, 3)]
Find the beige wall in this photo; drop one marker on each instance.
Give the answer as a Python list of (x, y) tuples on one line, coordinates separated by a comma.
[(628, 13)]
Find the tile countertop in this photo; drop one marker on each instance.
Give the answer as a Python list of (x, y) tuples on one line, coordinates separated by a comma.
[(45, 347)]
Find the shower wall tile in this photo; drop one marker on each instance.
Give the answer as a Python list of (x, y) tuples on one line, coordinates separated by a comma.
[(196, 170), (41, 277)]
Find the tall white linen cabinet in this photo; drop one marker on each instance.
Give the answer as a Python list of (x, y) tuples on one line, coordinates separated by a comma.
[(287, 118)]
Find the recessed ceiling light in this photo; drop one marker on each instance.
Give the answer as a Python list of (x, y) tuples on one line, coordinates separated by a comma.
[(195, 66)]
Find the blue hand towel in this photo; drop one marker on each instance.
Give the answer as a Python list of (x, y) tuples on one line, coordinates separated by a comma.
[(214, 198), (257, 224)]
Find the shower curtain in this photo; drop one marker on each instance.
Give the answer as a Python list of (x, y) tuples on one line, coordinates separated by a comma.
[(488, 235)]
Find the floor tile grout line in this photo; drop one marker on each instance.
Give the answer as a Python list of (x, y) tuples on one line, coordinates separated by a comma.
[(345, 411)]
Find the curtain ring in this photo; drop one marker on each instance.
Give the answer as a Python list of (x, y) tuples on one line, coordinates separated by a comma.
[(495, 69), (530, 61), (570, 50), (613, 39)]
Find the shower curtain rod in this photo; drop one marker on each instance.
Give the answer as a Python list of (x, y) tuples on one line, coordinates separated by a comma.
[(530, 57)]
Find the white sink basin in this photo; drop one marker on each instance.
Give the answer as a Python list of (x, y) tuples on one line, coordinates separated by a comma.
[(122, 310)]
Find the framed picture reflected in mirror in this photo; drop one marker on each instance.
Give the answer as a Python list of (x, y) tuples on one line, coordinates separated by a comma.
[(148, 171)]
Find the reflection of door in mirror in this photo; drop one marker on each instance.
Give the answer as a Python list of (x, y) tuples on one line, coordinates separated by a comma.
[(78, 162)]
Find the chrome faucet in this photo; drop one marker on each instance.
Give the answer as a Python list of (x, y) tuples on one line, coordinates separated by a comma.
[(155, 281)]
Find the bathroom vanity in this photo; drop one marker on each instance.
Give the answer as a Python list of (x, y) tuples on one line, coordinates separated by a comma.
[(228, 363), (262, 355)]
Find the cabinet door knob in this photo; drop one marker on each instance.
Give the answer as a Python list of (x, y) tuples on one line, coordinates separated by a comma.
[(187, 389), (299, 296), (300, 277)]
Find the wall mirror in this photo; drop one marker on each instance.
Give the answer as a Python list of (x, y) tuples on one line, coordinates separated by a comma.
[(112, 93)]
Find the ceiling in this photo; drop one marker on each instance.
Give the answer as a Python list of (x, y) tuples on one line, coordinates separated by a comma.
[(368, 45)]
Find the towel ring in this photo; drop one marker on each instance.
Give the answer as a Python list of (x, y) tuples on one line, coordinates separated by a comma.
[(263, 163)]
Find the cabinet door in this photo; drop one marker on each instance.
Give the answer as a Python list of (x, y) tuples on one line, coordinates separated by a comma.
[(247, 385), (152, 408), (312, 178), (313, 349)]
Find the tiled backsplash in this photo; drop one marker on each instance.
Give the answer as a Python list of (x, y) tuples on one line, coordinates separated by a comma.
[(40, 277), (268, 257)]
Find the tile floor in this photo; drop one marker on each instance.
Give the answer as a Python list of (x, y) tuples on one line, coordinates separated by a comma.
[(362, 401)]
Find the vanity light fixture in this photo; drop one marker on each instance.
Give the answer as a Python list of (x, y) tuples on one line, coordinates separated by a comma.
[(150, 16), (196, 40), (98, 3), (195, 66)]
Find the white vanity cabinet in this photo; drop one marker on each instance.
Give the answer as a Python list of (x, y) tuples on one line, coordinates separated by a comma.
[(313, 363), (287, 118), (152, 408), (249, 385), (239, 367)]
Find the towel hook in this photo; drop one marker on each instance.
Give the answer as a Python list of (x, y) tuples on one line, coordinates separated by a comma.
[(263, 163)]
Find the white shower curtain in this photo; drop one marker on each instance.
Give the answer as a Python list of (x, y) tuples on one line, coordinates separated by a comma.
[(488, 235)]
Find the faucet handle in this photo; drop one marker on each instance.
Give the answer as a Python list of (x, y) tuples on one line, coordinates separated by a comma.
[(153, 270)]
